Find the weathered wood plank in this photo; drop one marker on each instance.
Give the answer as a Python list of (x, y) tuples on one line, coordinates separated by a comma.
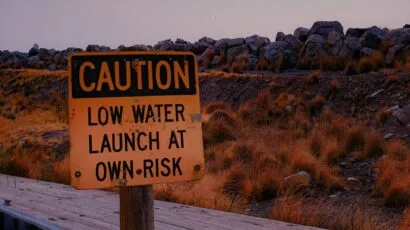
[(96, 209)]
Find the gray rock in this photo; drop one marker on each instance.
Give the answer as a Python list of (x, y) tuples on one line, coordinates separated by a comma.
[(208, 53), (252, 60), (376, 93), (137, 47), (235, 51), (235, 42), (280, 36), (294, 43), (402, 115), (334, 37), (367, 52), (34, 50), (97, 48), (255, 43), (388, 136), (373, 38), (356, 32), (351, 48), (44, 54), (181, 41), (406, 26), (392, 53), (324, 28), (313, 47), (273, 50), (202, 44), (165, 45), (400, 36), (300, 178), (221, 45), (301, 34)]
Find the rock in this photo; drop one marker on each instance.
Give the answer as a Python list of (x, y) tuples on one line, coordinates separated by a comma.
[(97, 48), (392, 53), (44, 54), (252, 60), (300, 178), (273, 50), (280, 36), (333, 196), (400, 36), (388, 136), (33, 51), (221, 45), (334, 37), (52, 66), (207, 55), (181, 41), (137, 47), (367, 52), (373, 38), (376, 93), (165, 45), (324, 28), (235, 42), (350, 48), (294, 43), (406, 26), (402, 115), (202, 44), (343, 164), (313, 47), (255, 43), (356, 32), (301, 34), (234, 52), (353, 179)]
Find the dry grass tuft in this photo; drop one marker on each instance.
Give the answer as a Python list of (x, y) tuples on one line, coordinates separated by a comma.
[(262, 64), (374, 144), (405, 220), (314, 77), (240, 64), (212, 106), (355, 139), (383, 115), (335, 86), (392, 79)]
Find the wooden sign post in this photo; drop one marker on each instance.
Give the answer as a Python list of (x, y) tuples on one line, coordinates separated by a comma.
[(134, 121)]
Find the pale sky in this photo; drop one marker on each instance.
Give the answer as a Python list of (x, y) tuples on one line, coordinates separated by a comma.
[(75, 23)]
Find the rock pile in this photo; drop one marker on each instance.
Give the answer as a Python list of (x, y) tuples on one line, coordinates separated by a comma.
[(305, 48)]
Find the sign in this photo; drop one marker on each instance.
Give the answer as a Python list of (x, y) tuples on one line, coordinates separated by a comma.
[(134, 119)]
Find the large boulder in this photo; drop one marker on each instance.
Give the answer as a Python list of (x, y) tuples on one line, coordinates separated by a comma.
[(97, 48), (400, 36), (396, 52), (137, 47), (255, 43), (294, 43), (235, 51), (334, 37), (202, 44), (221, 45), (165, 45), (313, 47), (373, 38), (350, 48), (324, 28), (301, 34), (207, 56), (34, 50), (367, 52), (44, 54), (356, 32), (273, 50), (235, 42), (406, 26), (280, 36)]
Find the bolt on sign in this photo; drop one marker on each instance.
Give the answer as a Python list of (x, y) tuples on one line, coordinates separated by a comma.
[(134, 119)]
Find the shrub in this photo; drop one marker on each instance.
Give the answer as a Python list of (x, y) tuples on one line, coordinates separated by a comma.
[(392, 79), (332, 62), (315, 105), (262, 64), (374, 145), (351, 68), (398, 194), (224, 116), (217, 132), (313, 77), (355, 139), (383, 115), (334, 86), (212, 106), (239, 64)]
